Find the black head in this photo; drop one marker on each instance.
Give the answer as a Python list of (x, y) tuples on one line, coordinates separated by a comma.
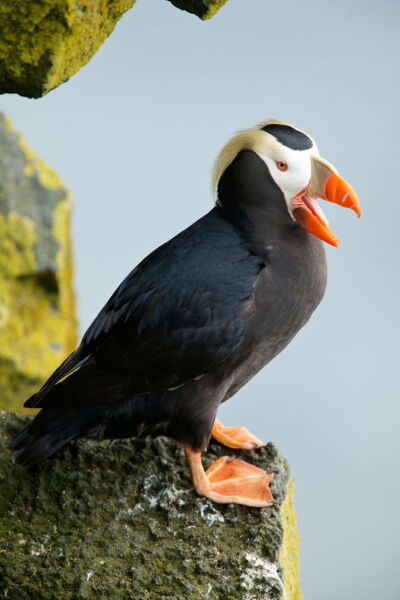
[(275, 171), (289, 136)]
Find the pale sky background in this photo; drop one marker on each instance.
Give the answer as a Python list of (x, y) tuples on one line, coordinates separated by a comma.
[(134, 135)]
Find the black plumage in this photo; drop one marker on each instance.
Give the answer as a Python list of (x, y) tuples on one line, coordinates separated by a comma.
[(191, 324), (289, 136)]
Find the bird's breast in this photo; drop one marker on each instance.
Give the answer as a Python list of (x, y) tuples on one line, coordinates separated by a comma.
[(287, 291)]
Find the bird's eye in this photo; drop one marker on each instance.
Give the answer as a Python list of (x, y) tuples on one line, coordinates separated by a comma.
[(282, 166)]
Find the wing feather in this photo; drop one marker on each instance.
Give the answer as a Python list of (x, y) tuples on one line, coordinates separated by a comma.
[(175, 316)]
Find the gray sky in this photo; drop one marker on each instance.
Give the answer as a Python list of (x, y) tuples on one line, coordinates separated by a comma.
[(134, 135)]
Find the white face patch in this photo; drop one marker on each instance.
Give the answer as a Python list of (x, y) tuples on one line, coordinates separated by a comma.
[(290, 169), (297, 169), (297, 175), (290, 180)]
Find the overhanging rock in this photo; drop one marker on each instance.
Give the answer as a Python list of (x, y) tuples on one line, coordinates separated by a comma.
[(112, 521), (37, 305), (45, 42), (205, 9)]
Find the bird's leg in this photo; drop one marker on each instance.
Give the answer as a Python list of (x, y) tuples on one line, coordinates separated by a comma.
[(230, 479), (239, 438)]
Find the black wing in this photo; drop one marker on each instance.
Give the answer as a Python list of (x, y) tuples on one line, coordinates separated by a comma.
[(175, 316)]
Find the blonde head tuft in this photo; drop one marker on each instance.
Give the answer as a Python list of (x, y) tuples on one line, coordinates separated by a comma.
[(254, 139)]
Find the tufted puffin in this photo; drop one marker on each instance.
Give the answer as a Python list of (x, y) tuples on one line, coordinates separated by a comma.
[(201, 315)]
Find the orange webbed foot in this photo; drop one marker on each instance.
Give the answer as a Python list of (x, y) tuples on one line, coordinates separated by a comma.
[(238, 438), (230, 479)]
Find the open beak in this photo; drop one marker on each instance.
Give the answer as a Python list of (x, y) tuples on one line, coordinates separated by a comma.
[(325, 183)]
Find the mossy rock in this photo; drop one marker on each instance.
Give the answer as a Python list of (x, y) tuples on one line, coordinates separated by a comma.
[(44, 42), (205, 9), (121, 521), (37, 305)]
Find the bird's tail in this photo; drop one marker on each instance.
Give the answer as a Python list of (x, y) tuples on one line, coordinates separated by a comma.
[(49, 431)]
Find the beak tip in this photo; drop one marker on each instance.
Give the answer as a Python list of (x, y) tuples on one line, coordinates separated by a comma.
[(338, 191), (332, 241)]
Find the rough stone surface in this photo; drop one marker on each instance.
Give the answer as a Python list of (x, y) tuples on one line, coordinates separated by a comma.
[(115, 521), (44, 42), (37, 312), (205, 9)]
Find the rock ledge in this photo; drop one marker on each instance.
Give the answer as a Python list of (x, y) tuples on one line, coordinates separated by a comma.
[(120, 520)]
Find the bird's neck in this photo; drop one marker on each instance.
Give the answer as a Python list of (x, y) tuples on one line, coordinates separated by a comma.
[(253, 203)]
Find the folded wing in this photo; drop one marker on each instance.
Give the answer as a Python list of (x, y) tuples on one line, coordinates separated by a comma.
[(175, 316)]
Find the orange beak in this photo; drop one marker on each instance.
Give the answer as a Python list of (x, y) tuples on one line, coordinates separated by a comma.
[(325, 183)]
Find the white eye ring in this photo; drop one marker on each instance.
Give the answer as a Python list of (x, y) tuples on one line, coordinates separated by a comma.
[(282, 166)]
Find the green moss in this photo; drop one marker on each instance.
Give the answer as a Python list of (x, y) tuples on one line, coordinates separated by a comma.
[(205, 9), (37, 305), (17, 245), (112, 521), (29, 190), (15, 387), (44, 42), (289, 556)]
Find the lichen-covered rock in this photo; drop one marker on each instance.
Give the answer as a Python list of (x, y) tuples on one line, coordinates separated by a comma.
[(205, 9), (37, 308), (103, 521), (44, 42)]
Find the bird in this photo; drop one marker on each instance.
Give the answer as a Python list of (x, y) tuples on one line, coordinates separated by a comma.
[(201, 315)]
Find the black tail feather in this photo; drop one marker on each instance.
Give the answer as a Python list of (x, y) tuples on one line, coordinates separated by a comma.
[(36, 452), (88, 386), (49, 431), (53, 428), (73, 362)]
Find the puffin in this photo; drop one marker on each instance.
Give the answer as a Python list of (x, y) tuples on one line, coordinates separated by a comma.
[(201, 315)]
